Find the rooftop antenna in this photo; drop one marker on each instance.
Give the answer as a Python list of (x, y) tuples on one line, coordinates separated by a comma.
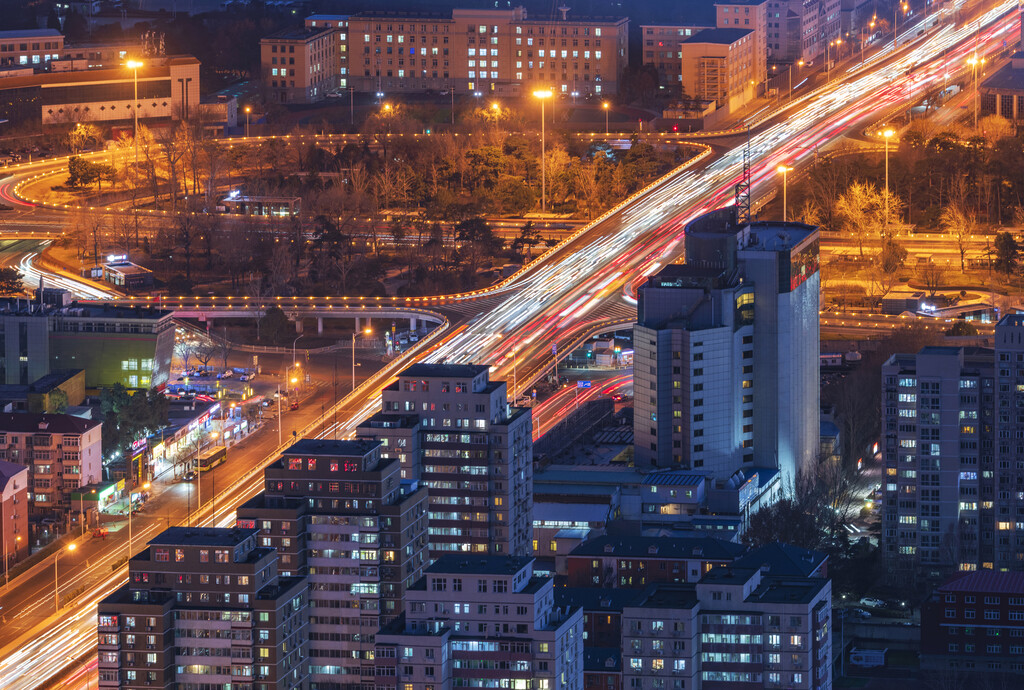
[(743, 187)]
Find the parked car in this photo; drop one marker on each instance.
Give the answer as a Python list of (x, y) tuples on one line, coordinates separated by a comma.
[(100, 532), (227, 374), (872, 602)]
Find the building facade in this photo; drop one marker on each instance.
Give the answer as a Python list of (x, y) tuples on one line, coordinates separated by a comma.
[(735, 627), (132, 346), (975, 624), (637, 562), (341, 514), (720, 65), (339, 24), (168, 87), (61, 452), (661, 48), (30, 47), (474, 452), (726, 351), (204, 607), (500, 52), (939, 454), (14, 507), (298, 65), (482, 621)]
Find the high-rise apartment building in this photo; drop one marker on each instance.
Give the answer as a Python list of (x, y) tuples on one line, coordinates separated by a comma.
[(340, 513), (954, 456), (203, 608), (453, 428), (482, 621), (939, 455), (726, 351), (720, 65)]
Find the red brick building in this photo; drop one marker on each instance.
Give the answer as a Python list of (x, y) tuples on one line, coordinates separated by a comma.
[(975, 623)]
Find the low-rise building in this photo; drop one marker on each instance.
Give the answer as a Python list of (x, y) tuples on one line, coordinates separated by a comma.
[(61, 452), (132, 346), (30, 47), (168, 87), (975, 623), (204, 607), (471, 616)]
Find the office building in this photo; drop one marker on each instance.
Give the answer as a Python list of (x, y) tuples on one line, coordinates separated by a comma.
[(30, 47), (940, 471), (726, 352), (499, 52), (482, 621), (14, 506), (975, 624), (473, 451), (204, 607), (167, 87), (132, 346), (297, 64), (338, 512), (720, 65), (61, 452)]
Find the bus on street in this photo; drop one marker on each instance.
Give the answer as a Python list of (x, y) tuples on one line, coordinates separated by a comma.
[(211, 457)]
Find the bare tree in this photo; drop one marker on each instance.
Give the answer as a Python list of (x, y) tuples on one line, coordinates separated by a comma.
[(933, 277), (957, 219)]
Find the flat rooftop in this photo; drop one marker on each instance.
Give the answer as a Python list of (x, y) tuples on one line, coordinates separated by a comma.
[(202, 536), (30, 33), (330, 447), (461, 371), (298, 34), (479, 565), (718, 36)]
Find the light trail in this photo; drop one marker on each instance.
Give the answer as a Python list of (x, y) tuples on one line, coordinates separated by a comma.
[(628, 241)]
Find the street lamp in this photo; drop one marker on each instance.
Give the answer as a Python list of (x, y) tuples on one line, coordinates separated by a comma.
[(367, 332), (543, 96), (131, 507), (134, 65), (887, 134), (56, 590), (248, 109), (974, 61), (606, 105), (895, 14), (828, 58), (799, 63), (784, 169)]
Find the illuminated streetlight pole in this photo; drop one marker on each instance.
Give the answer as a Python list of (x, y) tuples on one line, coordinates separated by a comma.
[(248, 109), (56, 588), (606, 105), (542, 95), (367, 332), (974, 61), (784, 169), (134, 65), (887, 134)]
